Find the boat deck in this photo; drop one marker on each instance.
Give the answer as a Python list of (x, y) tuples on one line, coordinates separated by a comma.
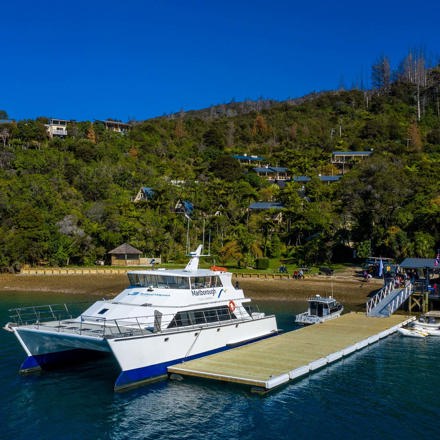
[(84, 328), (274, 361)]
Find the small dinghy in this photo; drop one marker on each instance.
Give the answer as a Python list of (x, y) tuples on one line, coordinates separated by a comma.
[(413, 333)]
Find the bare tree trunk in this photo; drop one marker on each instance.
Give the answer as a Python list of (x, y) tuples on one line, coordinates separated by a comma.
[(418, 102)]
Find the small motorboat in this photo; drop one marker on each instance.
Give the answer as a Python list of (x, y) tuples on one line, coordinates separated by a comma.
[(320, 309)]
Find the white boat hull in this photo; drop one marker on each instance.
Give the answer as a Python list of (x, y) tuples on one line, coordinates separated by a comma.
[(306, 318), (146, 358), (142, 358), (431, 331), (40, 342), (45, 347), (412, 333)]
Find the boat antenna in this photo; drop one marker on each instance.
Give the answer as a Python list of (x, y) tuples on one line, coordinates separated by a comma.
[(188, 246), (203, 234), (203, 240)]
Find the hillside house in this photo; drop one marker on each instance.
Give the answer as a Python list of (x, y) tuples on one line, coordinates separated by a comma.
[(329, 179), (144, 194), (57, 128), (115, 126), (346, 159), (263, 206), (322, 178), (276, 217), (184, 207), (245, 159), (273, 174)]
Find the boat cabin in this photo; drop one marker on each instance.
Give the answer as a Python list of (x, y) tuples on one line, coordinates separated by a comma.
[(322, 307), (167, 281)]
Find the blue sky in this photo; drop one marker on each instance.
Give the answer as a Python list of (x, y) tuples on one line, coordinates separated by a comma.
[(135, 59)]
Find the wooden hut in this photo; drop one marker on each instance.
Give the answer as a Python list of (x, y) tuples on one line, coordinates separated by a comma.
[(125, 255)]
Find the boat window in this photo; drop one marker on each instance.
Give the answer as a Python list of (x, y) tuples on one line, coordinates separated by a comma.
[(313, 308), (216, 281), (102, 311), (205, 282), (201, 316), (134, 279), (334, 308), (158, 281)]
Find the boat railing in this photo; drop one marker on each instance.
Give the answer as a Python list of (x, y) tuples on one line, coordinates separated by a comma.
[(58, 318), (37, 314), (306, 318), (153, 324)]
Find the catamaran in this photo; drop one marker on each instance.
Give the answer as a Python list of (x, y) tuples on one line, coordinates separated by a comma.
[(162, 318)]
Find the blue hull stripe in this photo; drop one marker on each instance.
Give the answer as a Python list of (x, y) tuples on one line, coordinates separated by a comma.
[(131, 378), (31, 363), (38, 361), (126, 379)]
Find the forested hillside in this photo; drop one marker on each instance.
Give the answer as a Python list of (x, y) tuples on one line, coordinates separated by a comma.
[(71, 200)]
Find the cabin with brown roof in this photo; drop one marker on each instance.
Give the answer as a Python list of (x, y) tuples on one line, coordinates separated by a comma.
[(125, 255)]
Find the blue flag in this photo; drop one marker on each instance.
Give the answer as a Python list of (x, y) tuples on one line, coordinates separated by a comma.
[(380, 267)]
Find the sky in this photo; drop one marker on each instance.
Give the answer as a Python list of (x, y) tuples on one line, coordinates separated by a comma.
[(138, 59)]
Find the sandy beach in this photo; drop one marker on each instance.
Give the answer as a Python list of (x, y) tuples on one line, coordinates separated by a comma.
[(349, 288)]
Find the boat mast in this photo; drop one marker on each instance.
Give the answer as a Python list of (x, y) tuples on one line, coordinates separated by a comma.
[(193, 264)]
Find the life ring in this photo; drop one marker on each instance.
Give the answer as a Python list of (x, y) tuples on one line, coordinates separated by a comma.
[(231, 306), (219, 269)]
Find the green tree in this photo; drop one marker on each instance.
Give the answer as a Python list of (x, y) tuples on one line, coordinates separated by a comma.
[(226, 168)]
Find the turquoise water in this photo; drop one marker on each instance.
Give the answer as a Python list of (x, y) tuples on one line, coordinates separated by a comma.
[(390, 390)]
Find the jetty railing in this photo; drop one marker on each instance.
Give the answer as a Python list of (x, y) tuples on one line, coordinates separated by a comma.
[(378, 297), (399, 299)]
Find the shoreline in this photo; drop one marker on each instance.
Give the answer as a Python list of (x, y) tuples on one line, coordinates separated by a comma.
[(350, 290)]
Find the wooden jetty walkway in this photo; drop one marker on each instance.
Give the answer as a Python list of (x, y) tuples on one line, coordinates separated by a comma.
[(272, 362)]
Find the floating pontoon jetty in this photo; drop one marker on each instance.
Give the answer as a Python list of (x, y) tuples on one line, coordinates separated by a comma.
[(272, 362)]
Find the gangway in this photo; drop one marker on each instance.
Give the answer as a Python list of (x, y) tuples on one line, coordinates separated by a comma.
[(388, 300)]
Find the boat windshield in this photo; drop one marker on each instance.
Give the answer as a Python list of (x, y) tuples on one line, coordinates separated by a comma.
[(158, 281)]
